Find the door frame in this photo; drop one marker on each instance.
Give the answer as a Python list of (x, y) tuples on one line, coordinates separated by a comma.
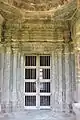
[(37, 94)]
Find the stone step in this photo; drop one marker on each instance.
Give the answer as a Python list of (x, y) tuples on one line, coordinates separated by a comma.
[(38, 115)]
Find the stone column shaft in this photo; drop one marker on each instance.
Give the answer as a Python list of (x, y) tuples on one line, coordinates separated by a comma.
[(1, 71), (1, 75), (67, 80), (73, 76), (57, 68), (69, 77), (6, 79), (56, 82), (14, 98), (60, 79), (63, 82), (1, 78), (22, 82), (18, 80), (53, 80)]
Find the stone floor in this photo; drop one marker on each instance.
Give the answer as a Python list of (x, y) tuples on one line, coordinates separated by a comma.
[(37, 115)]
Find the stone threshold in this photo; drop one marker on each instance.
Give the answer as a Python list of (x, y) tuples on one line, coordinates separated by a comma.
[(37, 115)]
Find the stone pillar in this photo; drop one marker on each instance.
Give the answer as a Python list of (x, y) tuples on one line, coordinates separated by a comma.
[(22, 82), (6, 80), (63, 81), (73, 76), (11, 83), (60, 78), (77, 95), (56, 78), (67, 78), (53, 72), (18, 81), (76, 76), (0, 82), (1, 76), (14, 92)]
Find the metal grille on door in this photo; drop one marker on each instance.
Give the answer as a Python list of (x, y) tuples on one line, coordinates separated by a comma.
[(37, 82)]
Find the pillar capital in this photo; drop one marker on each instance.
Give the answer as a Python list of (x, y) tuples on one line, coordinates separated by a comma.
[(2, 48), (8, 49), (15, 50)]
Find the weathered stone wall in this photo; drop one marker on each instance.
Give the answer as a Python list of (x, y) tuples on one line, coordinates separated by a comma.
[(77, 52), (33, 35), (12, 77), (12, 80)]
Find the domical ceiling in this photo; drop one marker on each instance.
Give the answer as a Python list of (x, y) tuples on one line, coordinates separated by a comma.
[(37, 9), (38, 5)]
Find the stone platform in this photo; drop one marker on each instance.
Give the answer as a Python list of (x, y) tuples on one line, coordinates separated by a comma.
[(37, 115)]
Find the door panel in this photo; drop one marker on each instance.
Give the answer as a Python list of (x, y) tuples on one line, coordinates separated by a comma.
[(44, 80), (46, 73), (45, 87), (30, 100), (44, 60), (30, 61), (30, 86), (30, 73), (44, 100)]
